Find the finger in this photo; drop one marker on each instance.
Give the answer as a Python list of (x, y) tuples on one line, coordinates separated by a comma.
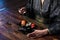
[(28, 35), (23, 8), (20, 10), (24, 12), (33, 37)]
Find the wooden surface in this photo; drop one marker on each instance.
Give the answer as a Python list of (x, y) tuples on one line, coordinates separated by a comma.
[(8, 27)]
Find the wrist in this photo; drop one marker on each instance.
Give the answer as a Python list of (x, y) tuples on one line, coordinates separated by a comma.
[(45, 31)]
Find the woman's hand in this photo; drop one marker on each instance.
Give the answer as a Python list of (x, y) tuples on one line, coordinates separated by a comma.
[(22, 10), (38, 33)]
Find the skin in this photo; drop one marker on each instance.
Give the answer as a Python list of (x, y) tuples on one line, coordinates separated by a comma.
[(22, 10), (38, 33)]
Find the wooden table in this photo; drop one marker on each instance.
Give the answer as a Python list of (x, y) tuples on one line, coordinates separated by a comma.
[(9, 28), (47, 37)]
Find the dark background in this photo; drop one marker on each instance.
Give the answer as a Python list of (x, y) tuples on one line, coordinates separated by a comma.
[(15, 4)]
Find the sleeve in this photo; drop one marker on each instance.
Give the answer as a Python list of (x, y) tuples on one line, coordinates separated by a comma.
[(54, 28), (30, 10), (28, 5)]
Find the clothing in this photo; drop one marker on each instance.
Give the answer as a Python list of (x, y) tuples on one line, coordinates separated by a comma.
[(50, 11)]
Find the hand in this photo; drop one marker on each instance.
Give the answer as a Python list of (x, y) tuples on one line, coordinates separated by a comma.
[(22, 10), (38, 33)]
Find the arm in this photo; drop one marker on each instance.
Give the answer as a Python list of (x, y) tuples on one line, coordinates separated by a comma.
[(54, 28), (54, 16)]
